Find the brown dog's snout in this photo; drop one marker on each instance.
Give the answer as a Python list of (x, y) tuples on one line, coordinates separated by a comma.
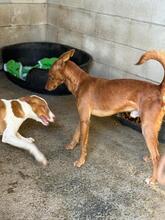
[(49, 86), (46, 86)]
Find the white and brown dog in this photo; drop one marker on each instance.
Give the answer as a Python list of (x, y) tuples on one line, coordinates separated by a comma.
[(14, 112)]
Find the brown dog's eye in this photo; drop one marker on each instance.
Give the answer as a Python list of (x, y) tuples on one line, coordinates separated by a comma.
[(51, 78)]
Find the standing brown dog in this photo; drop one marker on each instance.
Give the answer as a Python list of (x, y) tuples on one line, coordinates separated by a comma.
[(102, 97)]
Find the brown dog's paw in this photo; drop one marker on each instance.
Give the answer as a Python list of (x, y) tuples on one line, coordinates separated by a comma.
[(150, 181), (147, 158), (69, 146), (79, 163)]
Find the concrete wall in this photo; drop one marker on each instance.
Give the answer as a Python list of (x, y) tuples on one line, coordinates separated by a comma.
[(22, 20), (115, 32)]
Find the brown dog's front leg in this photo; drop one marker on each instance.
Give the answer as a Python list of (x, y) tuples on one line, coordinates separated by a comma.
[(84, 130), (75, 140)]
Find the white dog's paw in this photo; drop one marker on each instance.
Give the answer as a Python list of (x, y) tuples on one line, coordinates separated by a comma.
[(30, 140), (42, 159), (44, 162)]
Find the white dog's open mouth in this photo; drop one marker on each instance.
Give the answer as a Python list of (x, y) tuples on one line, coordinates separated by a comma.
[(45, 120)]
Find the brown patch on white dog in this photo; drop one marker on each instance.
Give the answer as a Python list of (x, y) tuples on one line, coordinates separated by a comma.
[(17, 109), (2, 116)]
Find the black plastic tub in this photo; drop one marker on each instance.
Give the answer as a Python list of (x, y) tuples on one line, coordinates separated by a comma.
[(29, 53)]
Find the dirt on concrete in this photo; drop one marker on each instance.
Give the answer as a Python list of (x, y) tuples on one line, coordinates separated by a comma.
[(111, 185)]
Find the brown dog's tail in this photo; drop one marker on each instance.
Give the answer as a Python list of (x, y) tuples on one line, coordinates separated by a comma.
[(154, 55)]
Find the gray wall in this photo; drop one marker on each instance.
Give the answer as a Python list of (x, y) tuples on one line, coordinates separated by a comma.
[(115, 32), (22, 20)]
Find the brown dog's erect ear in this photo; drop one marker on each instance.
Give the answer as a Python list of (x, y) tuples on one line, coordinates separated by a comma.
[(66, 56)]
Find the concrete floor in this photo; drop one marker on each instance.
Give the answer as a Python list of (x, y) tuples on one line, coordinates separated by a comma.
[(109, 186)]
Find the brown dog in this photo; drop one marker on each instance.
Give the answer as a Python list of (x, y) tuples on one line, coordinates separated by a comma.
[(102, 97)]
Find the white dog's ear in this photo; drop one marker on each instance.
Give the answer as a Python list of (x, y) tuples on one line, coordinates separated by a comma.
[(66, 56)]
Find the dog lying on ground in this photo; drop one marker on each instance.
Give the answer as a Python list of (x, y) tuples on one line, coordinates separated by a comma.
[(103, 97), (14, 112)]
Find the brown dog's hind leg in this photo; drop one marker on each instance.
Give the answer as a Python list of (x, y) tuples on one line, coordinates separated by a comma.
[(75, 140), (84, 130), (161, 173), (150, 128), (152, 144)]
